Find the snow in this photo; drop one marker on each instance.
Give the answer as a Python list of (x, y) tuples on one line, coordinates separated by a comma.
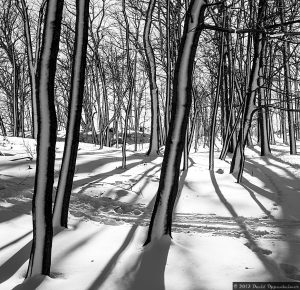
[(223, 232)]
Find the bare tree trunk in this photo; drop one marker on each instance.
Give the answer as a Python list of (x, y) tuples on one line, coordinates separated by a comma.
[(287, 84), (40, 256), (168, 79), (64, 189), (130, 86), (262, 111), (16, 83), (216, 104), (31, 59), (161, 220), (2, 127), (237, 164), (151, 70)]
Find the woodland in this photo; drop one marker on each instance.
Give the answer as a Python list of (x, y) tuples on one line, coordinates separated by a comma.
[(141, 140)]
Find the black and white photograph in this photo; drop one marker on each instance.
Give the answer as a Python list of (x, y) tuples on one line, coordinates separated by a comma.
[(149, 144)]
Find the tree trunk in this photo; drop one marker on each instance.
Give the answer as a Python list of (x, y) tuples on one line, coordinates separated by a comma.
[(130, 86), (168, 79), (16, 121), (216, 104), (31, 64), (2, 127), (237, 164), (64, 189), (40, 256), (287, 84), (262, 111), (161, 220), (151, 70)]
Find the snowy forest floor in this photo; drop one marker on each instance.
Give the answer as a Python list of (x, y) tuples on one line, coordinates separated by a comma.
[(223, 231)]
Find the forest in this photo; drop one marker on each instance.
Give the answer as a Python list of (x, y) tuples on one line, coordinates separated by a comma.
[(149, 144)]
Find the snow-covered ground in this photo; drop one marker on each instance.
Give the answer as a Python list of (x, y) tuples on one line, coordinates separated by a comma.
[(223, 231)]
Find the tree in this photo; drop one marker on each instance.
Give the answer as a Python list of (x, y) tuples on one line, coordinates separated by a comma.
[(287, 84), (237, 164), (130, 85), (31, 57), (40, 256), (151, 70), (161, 219), (8, 42), (64, 189)]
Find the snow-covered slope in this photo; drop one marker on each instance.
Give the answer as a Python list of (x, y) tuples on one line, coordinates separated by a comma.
[(223, 231)]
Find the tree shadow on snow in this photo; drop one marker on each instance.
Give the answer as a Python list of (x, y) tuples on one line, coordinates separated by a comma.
[(269, 264), (101, 176), (98, 282), (285, 192), (12, 265), (15, 241), (18, 209), (149, 271), (31, 283)]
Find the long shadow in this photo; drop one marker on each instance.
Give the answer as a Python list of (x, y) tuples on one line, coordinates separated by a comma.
[(288, 192), (30, 283), (268, 263), (6, 214), (113, 261), (11, 266), (263, 192), (75, 247), (267, 212), (180, 188), (150, 273), (282, 187), (111, 264), (91, 165), (149, 270), (15, 241), (275, 158), (96, 178)]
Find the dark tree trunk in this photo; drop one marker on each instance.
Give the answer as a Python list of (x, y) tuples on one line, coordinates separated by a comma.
[(216, 103), (237, 164), (130, 83), (151, 70), (161, 220), (64, 189), (40, 256)]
